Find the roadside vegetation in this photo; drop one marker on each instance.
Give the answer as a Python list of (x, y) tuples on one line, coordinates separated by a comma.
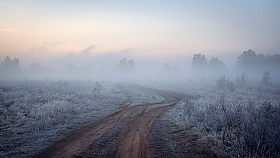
[(36, 114), (224, 123)]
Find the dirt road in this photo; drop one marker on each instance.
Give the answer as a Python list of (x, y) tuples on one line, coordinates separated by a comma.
[(121, 134)]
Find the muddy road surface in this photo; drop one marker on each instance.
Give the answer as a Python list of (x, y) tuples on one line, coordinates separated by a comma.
[(122, 134)]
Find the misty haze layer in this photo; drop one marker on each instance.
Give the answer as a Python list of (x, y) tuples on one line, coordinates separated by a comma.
[(214, 66), (115, 67)]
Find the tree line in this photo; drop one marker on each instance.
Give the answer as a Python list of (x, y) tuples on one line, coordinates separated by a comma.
[(247, 60), (10, 69), (251, 59), (199, 63)]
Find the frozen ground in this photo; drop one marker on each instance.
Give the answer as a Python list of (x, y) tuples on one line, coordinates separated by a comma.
[(36, 114), (206, 122), (243, 123)]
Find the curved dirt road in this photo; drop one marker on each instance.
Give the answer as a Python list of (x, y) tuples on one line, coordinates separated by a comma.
[(121, 134)]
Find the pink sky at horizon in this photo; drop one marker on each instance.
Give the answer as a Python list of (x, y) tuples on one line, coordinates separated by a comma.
[(48, 29)]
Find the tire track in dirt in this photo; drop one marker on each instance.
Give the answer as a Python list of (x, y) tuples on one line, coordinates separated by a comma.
[(134, 143)]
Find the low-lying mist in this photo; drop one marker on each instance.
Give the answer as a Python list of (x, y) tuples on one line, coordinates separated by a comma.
[(126, 66)]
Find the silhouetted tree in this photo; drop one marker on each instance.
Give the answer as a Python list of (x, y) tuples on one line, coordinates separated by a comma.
[(12, 66), (217, 66), (199, 62), (36, 68), (130, 65), (35, 71), (242, 80), (10, 69), (260, 59), (166, 68), (248, 58), (222, 83), (273, 59), (251, 59), (123, 62), (125, 65), (266, 79), (253, 64)]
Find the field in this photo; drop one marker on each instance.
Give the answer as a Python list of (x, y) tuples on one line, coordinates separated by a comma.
[(220, 123), (35, 114), (184, 120)]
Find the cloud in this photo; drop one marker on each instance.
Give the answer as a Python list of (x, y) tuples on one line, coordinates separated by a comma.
[(89, 49), (9, 30)]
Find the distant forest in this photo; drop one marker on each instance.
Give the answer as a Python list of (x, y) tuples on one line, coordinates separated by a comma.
[(248, 61)]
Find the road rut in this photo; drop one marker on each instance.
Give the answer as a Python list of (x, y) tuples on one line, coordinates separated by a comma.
[(133, 143)]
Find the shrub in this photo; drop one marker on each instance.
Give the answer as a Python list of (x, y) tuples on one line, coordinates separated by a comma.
[(242, 80), (224, 84), (221, 82), (230, 86), (266, 79), (238, 127)]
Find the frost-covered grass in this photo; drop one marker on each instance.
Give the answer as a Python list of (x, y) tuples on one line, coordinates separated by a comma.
[(138, 94), (35, 114), (243, 123)]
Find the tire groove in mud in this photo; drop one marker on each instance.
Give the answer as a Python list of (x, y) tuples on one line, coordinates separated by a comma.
[(125, 133), (135, 142)]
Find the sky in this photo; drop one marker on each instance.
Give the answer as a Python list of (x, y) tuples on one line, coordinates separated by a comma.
[(40, 29)]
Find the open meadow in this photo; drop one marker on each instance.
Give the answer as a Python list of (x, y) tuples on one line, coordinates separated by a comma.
[(204, 120)]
